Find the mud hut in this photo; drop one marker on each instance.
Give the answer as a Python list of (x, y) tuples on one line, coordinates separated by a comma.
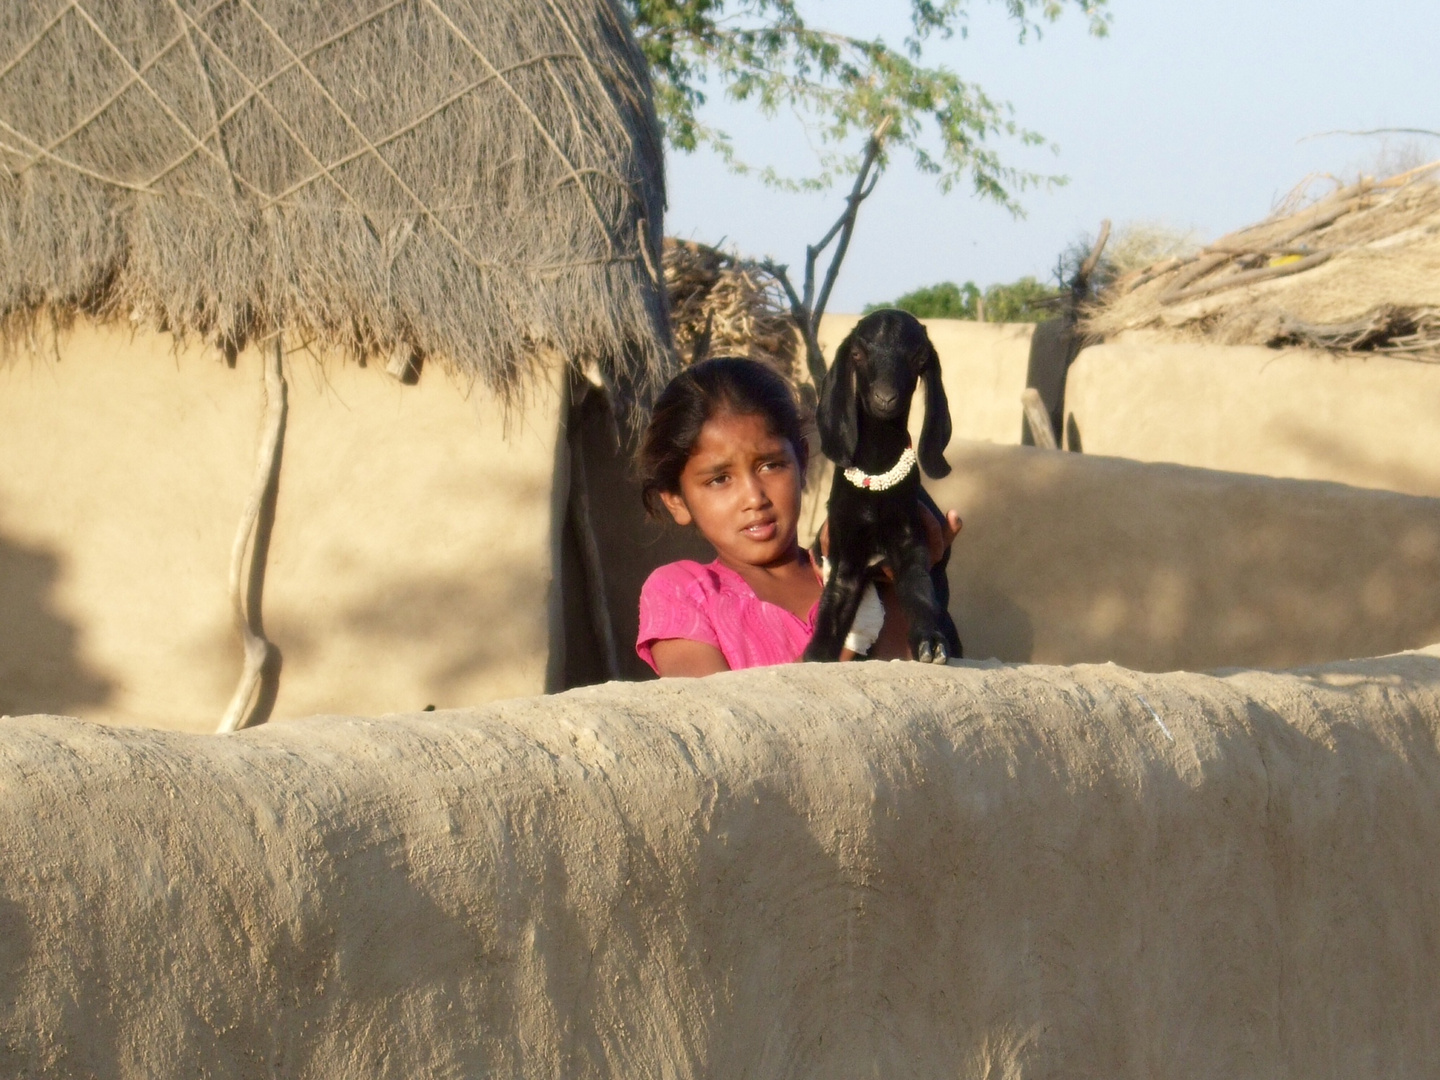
[(328, 272), (1306, 346)]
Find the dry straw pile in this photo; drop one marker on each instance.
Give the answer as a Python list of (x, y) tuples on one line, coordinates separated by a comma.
[(1357, 269), (470, 181), (743, 306)]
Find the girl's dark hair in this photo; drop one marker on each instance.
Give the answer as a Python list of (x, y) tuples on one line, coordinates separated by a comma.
[(722, 384)]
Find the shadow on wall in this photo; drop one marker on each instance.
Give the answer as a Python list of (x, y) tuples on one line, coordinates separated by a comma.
[(1070, 558), (41, 670), (444, 635)]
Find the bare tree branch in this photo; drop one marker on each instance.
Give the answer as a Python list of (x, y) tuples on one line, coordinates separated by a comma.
[(857, 195), (807, 308)]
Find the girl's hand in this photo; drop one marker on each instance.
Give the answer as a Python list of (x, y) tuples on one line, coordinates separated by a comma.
[(939, 535)]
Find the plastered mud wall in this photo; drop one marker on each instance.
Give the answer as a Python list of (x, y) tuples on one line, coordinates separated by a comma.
[(1355, 418), (410, 524), (1074, 558), (840, 871)]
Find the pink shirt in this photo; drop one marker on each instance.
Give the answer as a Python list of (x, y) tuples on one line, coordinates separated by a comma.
[(713, 604)]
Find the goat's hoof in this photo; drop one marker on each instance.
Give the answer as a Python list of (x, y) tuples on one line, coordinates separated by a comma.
[(932, 652)]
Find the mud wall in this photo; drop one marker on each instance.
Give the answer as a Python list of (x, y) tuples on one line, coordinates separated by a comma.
[(871, 869), (1075, 558), (1352, 418), (410, 560)]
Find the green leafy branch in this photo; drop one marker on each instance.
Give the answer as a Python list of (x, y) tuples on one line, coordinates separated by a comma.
[(766, 53)]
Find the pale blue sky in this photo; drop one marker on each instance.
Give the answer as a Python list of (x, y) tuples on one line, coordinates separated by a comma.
[(1189, 113)]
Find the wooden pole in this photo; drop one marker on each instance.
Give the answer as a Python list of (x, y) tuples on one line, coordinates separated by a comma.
[(246, 574), (1038, 419)]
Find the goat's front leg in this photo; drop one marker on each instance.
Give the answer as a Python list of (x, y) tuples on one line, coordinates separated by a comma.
[(916, 594), (838, 605)]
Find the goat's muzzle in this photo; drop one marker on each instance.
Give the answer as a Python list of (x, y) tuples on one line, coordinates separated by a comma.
[(884, 404)]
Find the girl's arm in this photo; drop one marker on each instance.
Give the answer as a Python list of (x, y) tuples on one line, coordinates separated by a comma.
[(683, 657)]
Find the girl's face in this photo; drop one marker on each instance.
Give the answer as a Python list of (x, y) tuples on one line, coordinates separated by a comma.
[(741, 489)]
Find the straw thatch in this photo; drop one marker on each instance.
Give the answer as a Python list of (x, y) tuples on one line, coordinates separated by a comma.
[(742, 305), (471, 181), (1358, 269)]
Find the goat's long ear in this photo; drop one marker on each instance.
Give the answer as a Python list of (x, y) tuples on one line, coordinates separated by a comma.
[(935, 434), (836, 417)]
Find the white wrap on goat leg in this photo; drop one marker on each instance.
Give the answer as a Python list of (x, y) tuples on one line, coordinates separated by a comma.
[(869, 619)]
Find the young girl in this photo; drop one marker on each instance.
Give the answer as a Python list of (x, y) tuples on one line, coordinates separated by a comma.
[(724, 452)]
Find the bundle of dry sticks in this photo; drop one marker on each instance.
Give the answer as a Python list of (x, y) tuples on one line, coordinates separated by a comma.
[(742, 306), (1358, 269)]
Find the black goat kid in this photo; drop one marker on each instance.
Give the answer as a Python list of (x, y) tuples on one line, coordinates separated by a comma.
[(875, 497)]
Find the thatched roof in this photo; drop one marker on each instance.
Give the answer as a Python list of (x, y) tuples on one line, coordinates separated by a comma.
[(741, 304), (470, 181), (1358, 269)]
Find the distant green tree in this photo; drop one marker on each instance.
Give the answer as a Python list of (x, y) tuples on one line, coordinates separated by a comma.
[(1026, 300), (944, 301)]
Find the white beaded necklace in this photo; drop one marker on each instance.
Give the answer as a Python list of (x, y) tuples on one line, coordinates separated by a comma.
[(886, 480)]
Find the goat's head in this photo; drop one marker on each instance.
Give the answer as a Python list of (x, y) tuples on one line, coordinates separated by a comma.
[(876, 369)]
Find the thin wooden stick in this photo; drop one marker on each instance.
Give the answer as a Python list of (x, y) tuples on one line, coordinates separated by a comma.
[(1263, 249), (1093, 259), (242, 571), (1198, 269), (1213, 256), (1246, 277), (1132, 281), (1373, 131), (1325, 212), (1079, 293)]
